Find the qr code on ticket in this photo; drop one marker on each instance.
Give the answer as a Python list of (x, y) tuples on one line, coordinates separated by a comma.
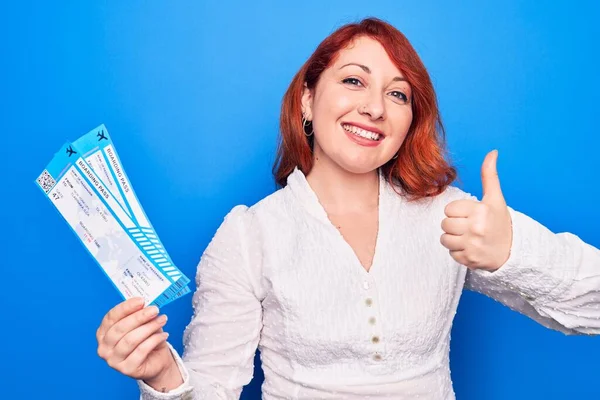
[(46, 181)]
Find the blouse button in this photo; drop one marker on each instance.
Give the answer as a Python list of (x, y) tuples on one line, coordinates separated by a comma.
[(377, 357), (369, 302), (372, 320), (375, 339)]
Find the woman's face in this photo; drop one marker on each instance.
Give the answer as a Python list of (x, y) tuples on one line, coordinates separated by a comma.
[(360, 108)]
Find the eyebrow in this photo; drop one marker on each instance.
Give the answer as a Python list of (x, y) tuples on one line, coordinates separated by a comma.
[(368, 71)]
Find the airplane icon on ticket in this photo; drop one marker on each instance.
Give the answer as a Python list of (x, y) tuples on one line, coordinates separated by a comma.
[(70, 151)]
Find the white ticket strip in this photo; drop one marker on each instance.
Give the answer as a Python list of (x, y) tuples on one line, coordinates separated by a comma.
[(97, 148)]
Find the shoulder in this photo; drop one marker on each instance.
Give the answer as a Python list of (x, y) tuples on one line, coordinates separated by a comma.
[(449, 194), (272, 210), (433, 207), (453, 193), (276, 206)]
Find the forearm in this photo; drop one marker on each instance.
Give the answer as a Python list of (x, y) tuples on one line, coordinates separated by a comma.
[(555, 276)]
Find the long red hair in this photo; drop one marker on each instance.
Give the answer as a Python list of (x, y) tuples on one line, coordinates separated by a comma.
[(420, 169)]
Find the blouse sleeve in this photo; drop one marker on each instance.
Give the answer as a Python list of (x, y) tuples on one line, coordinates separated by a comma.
[(222, 337), (552, 278)]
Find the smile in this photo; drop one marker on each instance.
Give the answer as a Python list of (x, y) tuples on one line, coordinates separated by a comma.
[(363, 133)]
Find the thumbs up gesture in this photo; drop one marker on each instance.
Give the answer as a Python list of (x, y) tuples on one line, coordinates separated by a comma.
[(479, 234)]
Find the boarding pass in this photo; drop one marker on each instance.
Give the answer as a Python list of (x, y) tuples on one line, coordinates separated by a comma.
[(88, 186)]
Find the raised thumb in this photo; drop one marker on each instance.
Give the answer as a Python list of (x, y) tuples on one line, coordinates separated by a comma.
[(492, 192)]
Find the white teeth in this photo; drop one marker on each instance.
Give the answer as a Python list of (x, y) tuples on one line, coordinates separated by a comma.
[(361, 132)]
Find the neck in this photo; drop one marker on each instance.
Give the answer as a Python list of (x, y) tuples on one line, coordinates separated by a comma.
[(340, 191)]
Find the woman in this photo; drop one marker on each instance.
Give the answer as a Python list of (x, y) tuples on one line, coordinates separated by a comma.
[(348, 278)]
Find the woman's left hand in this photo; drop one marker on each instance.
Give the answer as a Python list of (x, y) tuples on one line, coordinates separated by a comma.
[(479, 233)]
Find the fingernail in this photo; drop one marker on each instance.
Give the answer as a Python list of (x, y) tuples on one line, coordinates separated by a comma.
[(162, 319), (152, 311)]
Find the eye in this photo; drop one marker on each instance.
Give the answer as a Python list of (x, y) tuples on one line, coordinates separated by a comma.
[(401, 96), (353, 81)]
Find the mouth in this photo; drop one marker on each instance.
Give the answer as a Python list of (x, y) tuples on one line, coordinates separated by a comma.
[(372, 134)]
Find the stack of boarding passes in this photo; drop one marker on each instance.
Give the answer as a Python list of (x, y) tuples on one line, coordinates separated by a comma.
[(88, 185)]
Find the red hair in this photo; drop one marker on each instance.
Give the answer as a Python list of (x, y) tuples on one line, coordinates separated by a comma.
[(420, 169)]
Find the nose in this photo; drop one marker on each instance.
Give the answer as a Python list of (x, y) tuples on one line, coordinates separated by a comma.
[(373, 107)]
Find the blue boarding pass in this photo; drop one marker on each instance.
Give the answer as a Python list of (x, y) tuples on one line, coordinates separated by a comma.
[(97, 149), (103, 226)]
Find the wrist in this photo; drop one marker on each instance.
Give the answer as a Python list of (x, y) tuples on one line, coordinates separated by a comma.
[(168, 379)]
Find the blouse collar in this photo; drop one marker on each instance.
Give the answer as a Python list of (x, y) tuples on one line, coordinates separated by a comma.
[(298, 185)]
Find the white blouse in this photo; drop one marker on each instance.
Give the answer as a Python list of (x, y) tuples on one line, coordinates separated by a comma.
[(280, 276)]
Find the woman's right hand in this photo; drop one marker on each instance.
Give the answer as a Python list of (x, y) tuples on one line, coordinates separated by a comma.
[(131, 340)]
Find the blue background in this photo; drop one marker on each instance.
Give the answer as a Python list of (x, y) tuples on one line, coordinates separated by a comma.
[(190, 92)]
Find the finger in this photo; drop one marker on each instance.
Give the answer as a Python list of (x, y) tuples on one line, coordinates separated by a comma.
[(455, 226), (141, 352), (133, 339), (117, 313), (460, 208), (460, 257), (452, 242), (128, 324), (490, 180)]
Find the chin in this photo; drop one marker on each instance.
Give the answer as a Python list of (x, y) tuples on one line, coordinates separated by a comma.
[(358, 168)]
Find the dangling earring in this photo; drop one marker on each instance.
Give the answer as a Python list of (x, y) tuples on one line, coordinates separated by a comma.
[(306, 123)]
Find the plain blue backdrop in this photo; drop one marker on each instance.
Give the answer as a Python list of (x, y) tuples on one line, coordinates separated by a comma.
[(190, 92)]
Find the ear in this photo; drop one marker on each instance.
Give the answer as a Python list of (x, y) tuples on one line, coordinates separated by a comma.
[(307, 100)]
